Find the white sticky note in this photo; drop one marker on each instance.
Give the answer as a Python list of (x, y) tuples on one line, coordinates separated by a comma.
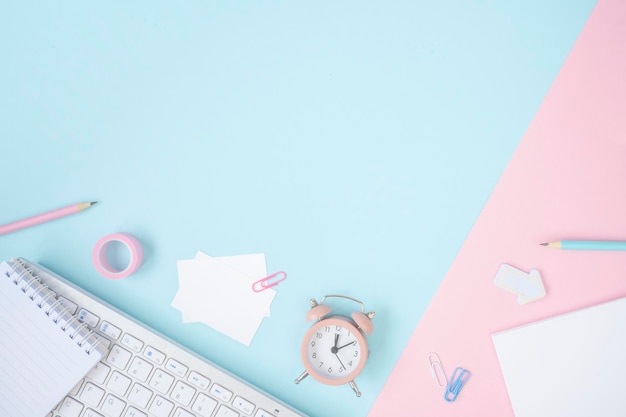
[(184, 295), (252, 266), (215, 293)]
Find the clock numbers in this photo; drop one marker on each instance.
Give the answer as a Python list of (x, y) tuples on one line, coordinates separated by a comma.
[(340, 329), (333, 351)]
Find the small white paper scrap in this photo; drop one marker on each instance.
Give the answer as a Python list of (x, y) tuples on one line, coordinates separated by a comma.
[(217, 291), (527, 286)]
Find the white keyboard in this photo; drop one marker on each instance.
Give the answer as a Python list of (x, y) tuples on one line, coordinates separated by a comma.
[(145, 374)]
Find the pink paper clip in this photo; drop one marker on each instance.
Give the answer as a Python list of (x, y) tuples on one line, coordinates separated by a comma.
[(269, 281)]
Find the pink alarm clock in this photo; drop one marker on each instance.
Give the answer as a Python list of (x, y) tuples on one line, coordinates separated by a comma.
[(334, 349)]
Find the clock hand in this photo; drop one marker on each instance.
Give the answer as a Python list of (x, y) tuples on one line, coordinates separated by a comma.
[(335, 349), (347, 344), (338, 358)]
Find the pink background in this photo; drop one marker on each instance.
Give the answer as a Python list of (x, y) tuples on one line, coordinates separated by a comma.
[(565, 181)]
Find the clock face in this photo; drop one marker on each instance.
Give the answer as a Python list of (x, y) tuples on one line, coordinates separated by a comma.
[(334, 351)]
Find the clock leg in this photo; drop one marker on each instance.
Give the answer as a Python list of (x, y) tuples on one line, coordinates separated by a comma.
[(354, 388), (301, 377)]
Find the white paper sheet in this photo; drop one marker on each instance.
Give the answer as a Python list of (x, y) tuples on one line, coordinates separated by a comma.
[(217, 291), (571, 365)]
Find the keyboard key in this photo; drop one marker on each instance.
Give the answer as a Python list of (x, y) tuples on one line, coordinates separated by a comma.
[(88, 317), (154, 355), (161, 381), (182, 393), (113, 406), (68, 304), (182, 413), (140, 369), (132, 342), (99, 373), (243, 405), (160, 407), (119, 357), (176, 368), (70, 408), (224, 411), (110, 330), (263, 413), (133, 412), (91, 413), (91, 395), (119, 383), (221, 393), (198, 380), (140, 395), (204, 405)]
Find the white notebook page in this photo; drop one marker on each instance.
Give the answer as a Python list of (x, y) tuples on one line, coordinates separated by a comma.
[(39, 362)]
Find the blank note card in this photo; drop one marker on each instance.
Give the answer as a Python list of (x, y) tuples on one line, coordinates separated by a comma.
[(217, 291)]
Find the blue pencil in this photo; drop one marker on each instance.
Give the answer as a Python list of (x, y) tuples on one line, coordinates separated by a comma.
[(586, 245)]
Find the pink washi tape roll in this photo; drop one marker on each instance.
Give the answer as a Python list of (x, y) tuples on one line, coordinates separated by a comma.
[(101, 262)]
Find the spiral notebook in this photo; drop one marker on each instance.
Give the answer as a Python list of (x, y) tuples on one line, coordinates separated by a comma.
[(44, 350)]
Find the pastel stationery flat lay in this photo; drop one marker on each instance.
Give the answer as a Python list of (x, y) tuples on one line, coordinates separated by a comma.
[(228, 209)]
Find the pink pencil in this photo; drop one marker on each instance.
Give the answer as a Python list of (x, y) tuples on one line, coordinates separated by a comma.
[(45, 217)]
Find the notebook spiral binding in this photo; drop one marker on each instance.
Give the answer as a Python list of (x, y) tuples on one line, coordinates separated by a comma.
[(31, 285)]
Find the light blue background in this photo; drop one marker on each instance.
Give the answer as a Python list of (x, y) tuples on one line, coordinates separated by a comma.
[(354, 143)]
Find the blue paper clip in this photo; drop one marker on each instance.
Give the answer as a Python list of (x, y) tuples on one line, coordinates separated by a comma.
[(268, 282), (458, 379)]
